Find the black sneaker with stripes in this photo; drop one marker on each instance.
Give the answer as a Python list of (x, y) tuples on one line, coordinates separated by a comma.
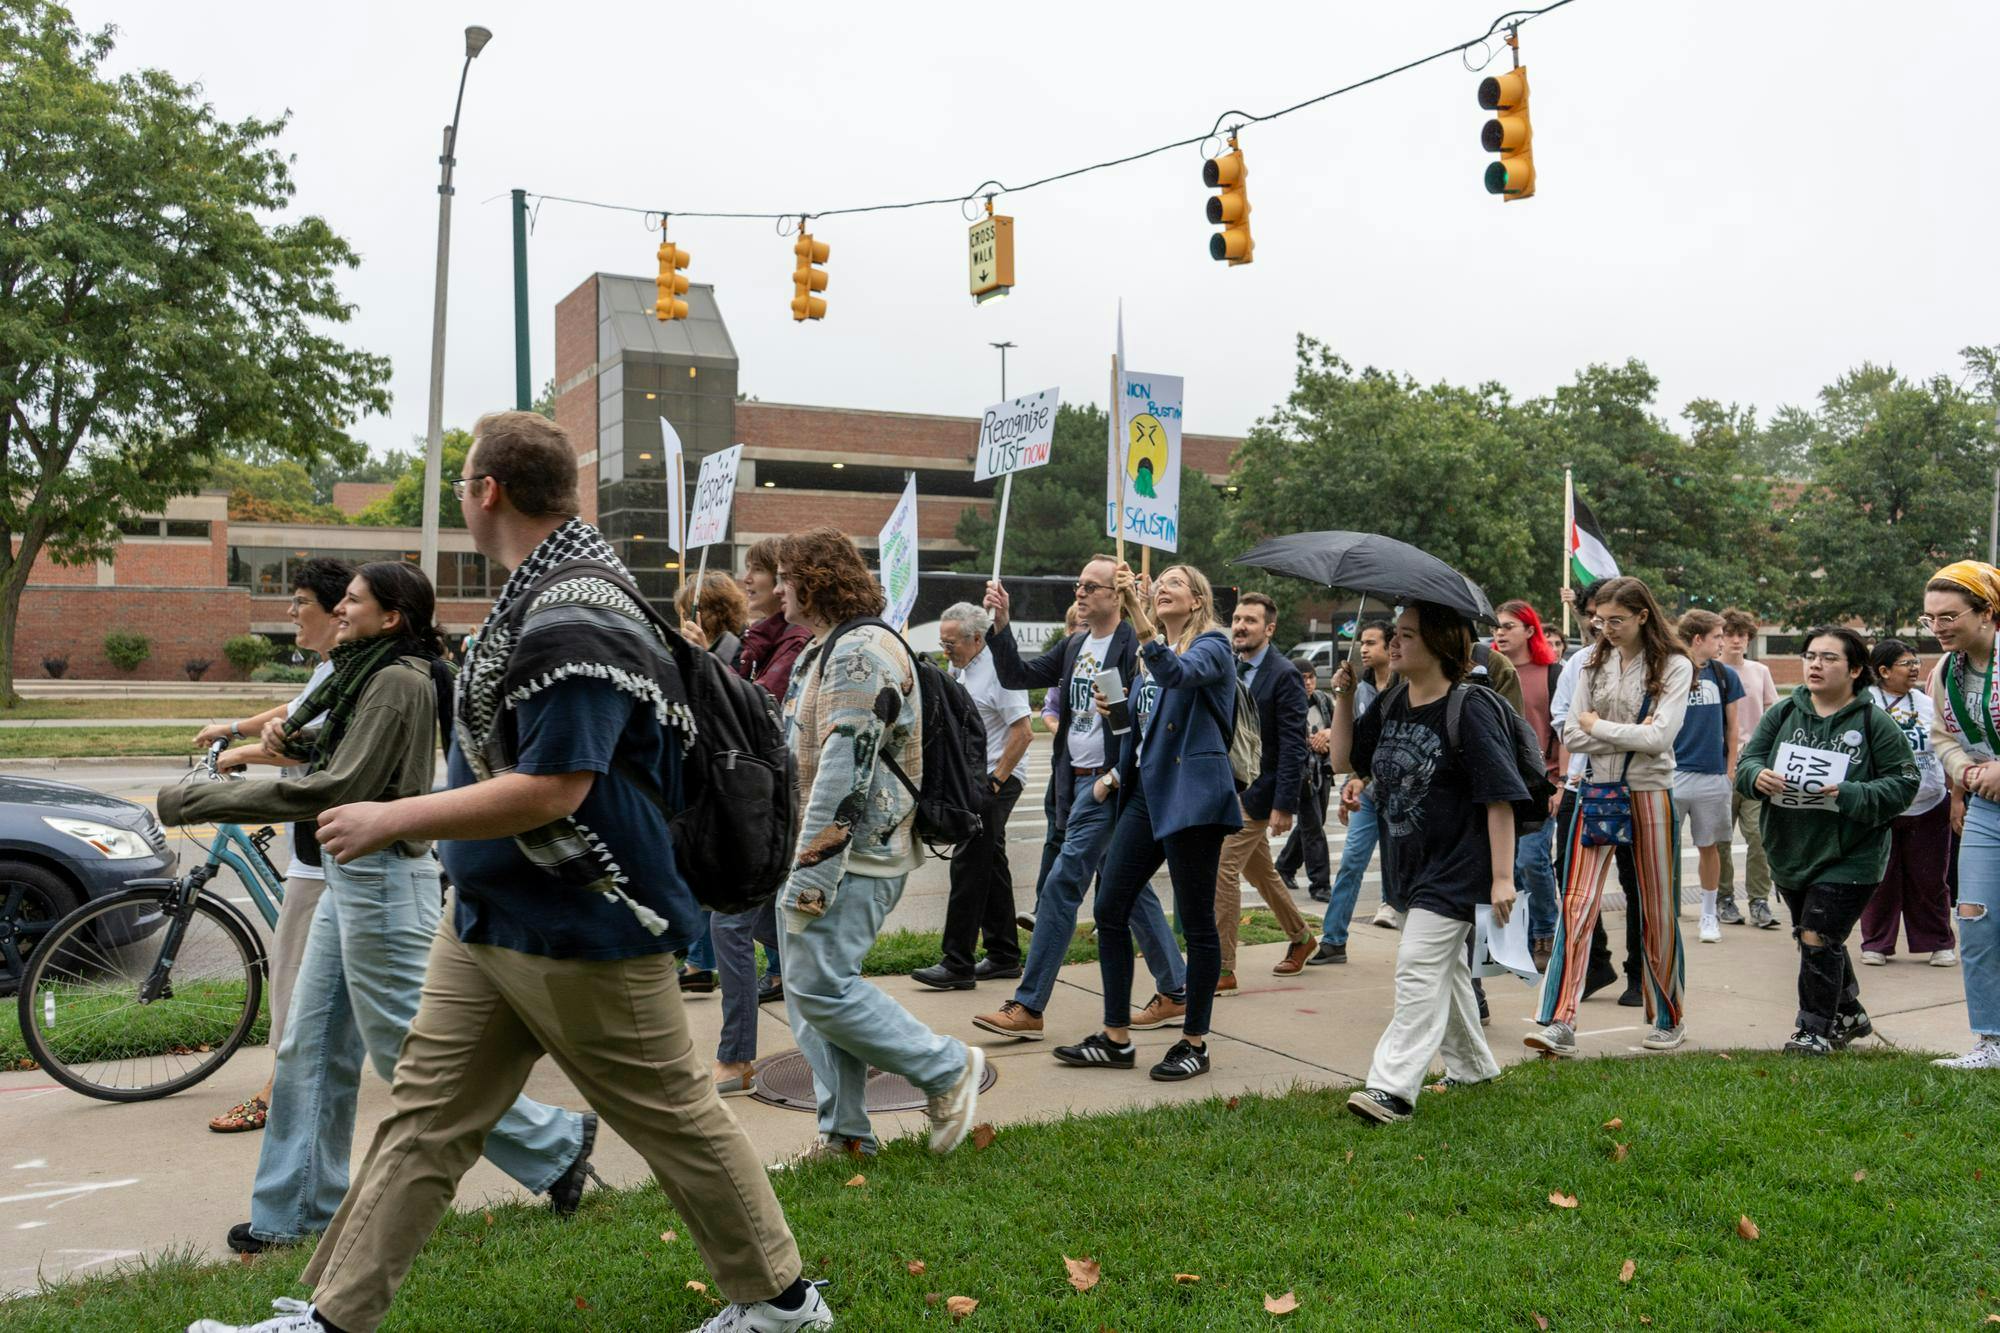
[(1183, 1060), (1098, 1051)]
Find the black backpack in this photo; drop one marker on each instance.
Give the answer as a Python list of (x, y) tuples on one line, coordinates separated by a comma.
[(1531, 814), (954, 749), (733, 833)]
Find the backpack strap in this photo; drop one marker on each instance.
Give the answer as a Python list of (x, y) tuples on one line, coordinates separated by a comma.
[(826, 655)]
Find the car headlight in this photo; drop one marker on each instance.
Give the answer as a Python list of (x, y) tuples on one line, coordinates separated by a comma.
[(114, 843)]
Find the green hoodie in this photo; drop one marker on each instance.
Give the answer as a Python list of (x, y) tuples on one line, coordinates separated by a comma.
[(1851, 844)]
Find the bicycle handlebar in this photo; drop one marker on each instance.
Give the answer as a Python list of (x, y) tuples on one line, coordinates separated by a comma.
[(208, 763)]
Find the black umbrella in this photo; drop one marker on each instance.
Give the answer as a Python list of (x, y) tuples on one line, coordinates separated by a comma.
[(1369, 563)]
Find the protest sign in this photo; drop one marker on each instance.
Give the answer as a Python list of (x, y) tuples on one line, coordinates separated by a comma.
[(714, 492), (898, 547), (1808, 773), (1145, 483), (1013, 437)]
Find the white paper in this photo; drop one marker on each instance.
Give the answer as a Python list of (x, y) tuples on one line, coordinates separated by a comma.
[(1808, 773), (1497, 953), (714, 492)]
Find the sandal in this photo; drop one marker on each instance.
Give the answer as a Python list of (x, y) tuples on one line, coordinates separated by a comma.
[(242, 1117)]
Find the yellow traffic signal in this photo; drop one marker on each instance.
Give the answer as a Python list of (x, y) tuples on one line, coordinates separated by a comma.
[(1231, 209), (807, 279), (1508, 134), (673, 284)]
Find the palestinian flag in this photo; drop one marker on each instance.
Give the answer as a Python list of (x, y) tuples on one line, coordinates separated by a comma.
[(1589, 555)]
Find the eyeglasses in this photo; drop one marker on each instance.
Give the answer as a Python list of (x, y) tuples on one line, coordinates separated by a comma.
[(1908, 664), (1945, 621), (459, 484), (1086, 588), (1828, 658), (1612, 622), (1508, 625)]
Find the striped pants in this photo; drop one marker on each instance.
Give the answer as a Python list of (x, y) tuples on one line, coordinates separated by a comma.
[(1583, 871)]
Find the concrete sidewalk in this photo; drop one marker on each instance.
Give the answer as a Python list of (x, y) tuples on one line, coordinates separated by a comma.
[(87, 1183)]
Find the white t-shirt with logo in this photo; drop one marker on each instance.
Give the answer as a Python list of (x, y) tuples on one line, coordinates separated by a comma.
[(1914, 714), (999, 709), (1086, 728)]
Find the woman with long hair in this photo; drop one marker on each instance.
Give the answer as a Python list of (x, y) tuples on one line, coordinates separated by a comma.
[(1518, 636), (1631, 694), (714, 613), (1176, 804), (1959, 607), (365, 955), (1828, 841), (1447, 816), (1914, 888)]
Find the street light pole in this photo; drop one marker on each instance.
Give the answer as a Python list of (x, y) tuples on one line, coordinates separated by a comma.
[(476, 39), (1003, 367)]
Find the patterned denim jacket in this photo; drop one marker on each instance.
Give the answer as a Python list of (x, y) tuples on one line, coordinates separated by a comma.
[(855, 815)]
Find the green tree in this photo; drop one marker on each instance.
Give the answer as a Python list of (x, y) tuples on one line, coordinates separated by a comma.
[(404, 506), (1055, 521), (1901, 478), (277, 492), (152, 315)]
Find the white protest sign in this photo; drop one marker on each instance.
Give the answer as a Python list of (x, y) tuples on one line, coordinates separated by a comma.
[(1016, 435), (1150, 413), (676, 470), (1808, 773), (714, 492), (898, 547)]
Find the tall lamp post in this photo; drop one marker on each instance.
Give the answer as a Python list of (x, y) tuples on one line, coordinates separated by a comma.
[(476, 39), (1003, 367)]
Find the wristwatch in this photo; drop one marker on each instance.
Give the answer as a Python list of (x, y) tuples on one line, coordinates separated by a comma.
[(236, 730)]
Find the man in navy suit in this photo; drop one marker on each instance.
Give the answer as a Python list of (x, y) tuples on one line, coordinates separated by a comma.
[(1270, 800)]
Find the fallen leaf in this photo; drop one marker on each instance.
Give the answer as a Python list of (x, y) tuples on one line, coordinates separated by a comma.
[(1083, 1273), (699, 1288), (1561, 1200), (1746, 1228), (1284, 1304), (933, 1297), (668, 1238), (489, 1219), (960, 1306), (582, 1304), (1540, 1322), (1233, 1103), (1860, 1176), (1763, 1073), (983, 1136), (1724, 1055), (1645, 1319), (1614, 1123), (916, 1267), (1350, 1157), (1977, 1174), (1620, 1151), (1993, 1319), (857, 1180), (1626, 1270), (1185, 1278), (247, 1259)]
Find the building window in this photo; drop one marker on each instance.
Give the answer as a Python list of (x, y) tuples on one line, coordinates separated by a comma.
[(188, 527)]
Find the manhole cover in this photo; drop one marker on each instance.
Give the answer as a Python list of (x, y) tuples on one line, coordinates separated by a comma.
[(786, 1080)]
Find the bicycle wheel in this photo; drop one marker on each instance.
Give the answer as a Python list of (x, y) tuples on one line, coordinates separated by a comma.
[(80, 1011)]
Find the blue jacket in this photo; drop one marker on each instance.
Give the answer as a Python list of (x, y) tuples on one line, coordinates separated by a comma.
[(1280, 693), (1052, 670), (1186, 766)]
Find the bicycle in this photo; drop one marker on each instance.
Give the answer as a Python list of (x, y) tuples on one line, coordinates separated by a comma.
[(112, 1016)]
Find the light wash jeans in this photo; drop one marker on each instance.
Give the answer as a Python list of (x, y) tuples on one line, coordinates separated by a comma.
[(1535, 873), (845, 1024), (355, 996), (1355, 853), (1084, 840), (1979, 936)]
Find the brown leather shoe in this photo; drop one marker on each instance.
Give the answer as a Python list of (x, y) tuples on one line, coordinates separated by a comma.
[(1225, 985), (1011, 1020), (1159, 1012), (1294, 961)]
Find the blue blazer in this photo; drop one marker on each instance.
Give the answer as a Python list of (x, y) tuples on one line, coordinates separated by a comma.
[(1186, 768)]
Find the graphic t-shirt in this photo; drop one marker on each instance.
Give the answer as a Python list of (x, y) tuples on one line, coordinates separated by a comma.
[(1086, 728), (1914, 713), (1430, 803), (1701, 746)]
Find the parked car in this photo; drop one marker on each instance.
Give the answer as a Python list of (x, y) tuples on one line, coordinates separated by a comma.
[(61, 846), (1321, 653)]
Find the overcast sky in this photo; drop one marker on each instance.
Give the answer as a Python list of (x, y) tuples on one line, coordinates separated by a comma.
[(1749, 196)]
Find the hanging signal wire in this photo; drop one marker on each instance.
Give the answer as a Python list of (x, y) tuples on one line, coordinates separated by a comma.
[(1512, 19)]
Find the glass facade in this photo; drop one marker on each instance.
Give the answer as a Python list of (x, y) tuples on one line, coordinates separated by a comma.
[(634, 496)]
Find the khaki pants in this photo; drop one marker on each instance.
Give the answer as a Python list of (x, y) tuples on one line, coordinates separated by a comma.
[(618, 1031), (288, 945), (1246, 854), (1757, 875)]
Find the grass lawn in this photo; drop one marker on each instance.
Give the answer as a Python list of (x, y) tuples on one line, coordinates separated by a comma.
[(1869, 1178), (95, 742), (197, 711)]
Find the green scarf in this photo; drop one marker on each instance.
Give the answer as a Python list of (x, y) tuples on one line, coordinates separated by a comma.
[(1980, 730), (354, 665)]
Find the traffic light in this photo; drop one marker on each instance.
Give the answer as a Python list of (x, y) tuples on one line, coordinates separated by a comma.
[(1508, 134), (1231, 209), (673, 284), (807, 279)]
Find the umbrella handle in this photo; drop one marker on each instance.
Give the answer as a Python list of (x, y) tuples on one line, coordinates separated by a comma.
[(1354, 649)]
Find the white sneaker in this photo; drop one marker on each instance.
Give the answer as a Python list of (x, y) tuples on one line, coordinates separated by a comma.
[(294, 1316), (1711, 930), (1869, 958), (1945, 958), (1388, 917), (1985, 1054), (951, 1112), (1664, 1039), (764, 1317)]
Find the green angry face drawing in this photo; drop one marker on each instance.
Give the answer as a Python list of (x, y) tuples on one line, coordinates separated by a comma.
[(1146, 455)]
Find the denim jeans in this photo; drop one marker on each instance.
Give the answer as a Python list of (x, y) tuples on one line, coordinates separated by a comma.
[(1828, 986), (1362, 834), (1535, 873), (357, 991), (736, 938), (844, 1024), (1084, 841), (701, 954), (1979, 936), (1192, 857)]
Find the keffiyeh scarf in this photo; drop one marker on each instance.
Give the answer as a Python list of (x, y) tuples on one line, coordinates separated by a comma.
[(536, 637)]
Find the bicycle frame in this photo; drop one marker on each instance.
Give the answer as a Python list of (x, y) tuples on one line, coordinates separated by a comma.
[(244, 853)]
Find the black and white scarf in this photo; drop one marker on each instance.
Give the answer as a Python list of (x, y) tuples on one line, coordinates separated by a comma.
[(580, 627)]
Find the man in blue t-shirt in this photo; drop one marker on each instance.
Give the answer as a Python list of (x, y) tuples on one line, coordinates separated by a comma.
[(1705, 757), (569, 909)]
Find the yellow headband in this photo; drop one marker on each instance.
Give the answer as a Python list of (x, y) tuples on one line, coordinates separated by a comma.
[(1978, 578)]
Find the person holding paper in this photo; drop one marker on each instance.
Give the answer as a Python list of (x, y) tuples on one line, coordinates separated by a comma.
[(1959, 603), (1447, 818), (1833, 771), (1914, 891)]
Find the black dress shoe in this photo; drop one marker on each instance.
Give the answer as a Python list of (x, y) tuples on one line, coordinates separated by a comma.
[(1631, 999), (1600, 975), (943, 978), (770, 988), (241, 1241), (988, 970), (1320, 894), (697, 980)]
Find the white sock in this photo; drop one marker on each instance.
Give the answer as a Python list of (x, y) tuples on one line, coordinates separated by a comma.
[(1708, 903)]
